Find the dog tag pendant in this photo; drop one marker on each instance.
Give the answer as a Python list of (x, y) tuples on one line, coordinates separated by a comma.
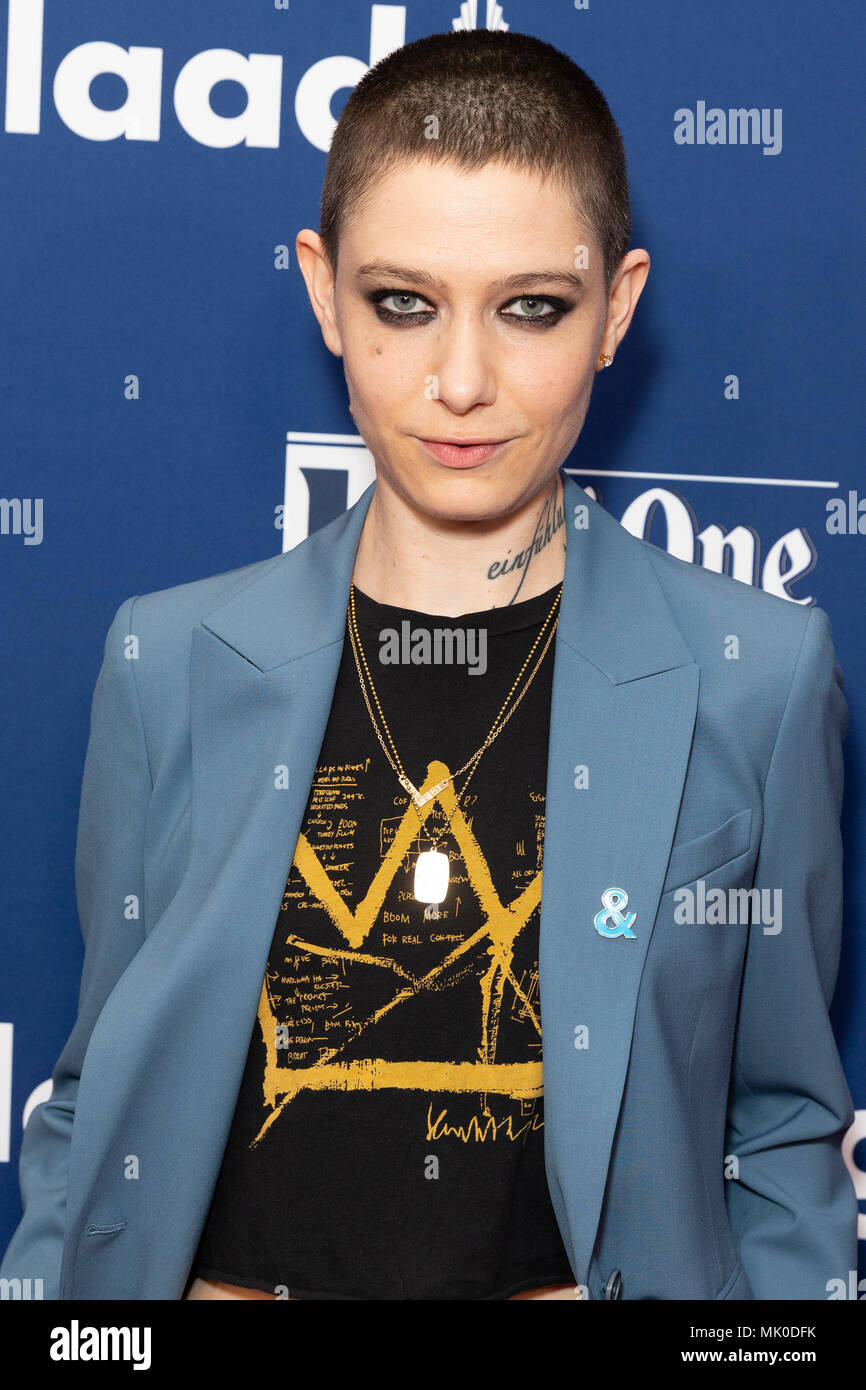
[(431, 879)]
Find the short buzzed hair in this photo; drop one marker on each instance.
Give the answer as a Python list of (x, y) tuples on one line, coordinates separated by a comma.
[(496, 95)]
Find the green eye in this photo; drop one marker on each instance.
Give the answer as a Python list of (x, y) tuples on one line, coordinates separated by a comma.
[(538, 303), (402, 297)]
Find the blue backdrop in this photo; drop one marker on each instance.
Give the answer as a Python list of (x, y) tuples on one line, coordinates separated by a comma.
[(167, 401)]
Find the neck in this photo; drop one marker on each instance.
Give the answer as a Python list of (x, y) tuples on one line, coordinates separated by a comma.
[(411, 560)]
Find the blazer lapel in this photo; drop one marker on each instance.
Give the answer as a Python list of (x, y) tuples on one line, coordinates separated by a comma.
[(624, 702), (264, 667)]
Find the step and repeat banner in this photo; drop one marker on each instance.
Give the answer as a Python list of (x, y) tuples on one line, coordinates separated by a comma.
[(169, 409)]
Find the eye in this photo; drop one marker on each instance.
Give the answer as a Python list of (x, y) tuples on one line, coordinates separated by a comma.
[(536, 303), (405, 300)]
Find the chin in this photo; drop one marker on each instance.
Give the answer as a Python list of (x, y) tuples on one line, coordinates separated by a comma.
[(477, 494), (461, 496)]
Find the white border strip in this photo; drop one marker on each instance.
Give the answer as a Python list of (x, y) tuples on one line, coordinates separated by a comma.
[(704, 477)]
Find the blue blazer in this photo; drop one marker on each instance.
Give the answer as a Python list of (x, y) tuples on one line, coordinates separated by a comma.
[(694, 1097)]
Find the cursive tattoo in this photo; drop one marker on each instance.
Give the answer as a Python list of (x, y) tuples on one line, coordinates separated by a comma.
[(550, 519)]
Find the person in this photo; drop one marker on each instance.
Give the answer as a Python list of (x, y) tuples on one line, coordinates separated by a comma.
[(365, 823)]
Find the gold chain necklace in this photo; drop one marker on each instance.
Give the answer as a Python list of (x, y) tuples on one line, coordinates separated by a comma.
[(432, 868)]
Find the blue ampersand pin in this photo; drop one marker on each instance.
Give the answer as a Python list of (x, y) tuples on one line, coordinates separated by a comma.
[(614, 899)]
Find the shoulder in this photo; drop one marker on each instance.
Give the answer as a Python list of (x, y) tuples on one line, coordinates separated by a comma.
[(729, 626), (756, 651), (166, 617), (162, 623), (712, 608)]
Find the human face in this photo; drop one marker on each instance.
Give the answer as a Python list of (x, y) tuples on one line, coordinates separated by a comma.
[(441, 342)]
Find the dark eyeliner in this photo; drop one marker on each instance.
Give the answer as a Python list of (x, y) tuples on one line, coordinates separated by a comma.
[(559, 306), (389, 315)]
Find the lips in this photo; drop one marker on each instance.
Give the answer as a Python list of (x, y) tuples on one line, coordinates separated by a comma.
[(462, 455)]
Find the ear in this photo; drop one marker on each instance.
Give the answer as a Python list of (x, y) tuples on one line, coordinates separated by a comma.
[(319, 279), (625, 291)]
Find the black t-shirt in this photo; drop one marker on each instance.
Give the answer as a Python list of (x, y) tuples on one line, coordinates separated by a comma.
[(388, 1138)]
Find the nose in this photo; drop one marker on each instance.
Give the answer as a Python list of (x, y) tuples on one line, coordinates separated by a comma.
[(461, 367)]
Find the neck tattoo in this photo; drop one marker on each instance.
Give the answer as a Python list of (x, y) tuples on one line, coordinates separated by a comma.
[(550, 519)]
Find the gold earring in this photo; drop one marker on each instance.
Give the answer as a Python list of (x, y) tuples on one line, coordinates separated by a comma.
[(605, 360)]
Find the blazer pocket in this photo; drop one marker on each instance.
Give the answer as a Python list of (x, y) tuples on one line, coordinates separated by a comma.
[(704, 854)]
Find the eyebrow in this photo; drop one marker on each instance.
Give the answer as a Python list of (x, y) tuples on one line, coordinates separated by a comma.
[(377, 269)]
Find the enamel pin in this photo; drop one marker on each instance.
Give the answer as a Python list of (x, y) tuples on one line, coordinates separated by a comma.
[(611, 921)]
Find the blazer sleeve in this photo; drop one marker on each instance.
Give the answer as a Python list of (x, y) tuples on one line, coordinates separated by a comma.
[(792, 1207), (109, 867)]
